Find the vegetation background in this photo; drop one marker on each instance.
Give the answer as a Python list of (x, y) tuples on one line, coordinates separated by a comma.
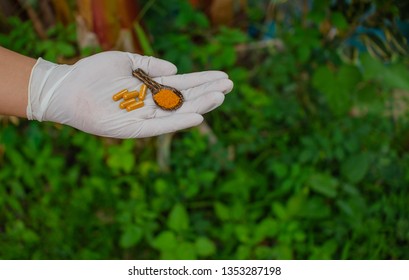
[(306, 159)]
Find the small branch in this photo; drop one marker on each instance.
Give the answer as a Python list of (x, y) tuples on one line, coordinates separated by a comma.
[(206, 130), (163, 155), (265, 44), (47, 12), (32, 14)]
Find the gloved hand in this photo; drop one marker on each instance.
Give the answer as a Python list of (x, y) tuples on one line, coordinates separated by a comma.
[(80, 95)]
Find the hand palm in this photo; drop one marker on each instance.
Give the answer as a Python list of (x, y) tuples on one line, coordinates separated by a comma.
[(82, 96)]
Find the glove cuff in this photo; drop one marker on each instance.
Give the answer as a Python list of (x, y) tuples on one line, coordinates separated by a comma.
[(38, 92)]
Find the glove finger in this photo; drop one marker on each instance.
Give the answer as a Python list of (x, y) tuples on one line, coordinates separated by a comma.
[(217, 101), (222, 85), (153, 66), (157, 126), (186, 81), (202, 104)]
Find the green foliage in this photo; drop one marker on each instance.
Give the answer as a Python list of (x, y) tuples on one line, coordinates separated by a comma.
[(22, 38), (310, 161)]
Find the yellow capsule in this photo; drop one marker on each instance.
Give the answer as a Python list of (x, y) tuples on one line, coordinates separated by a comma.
[(119, 95), (131, 94), (125, 103), (134, 106), (142, 92)]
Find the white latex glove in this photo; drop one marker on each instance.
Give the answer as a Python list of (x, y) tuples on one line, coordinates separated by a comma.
[(80, 95)]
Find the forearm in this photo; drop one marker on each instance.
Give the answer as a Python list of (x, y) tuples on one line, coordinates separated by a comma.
[(15, 70)]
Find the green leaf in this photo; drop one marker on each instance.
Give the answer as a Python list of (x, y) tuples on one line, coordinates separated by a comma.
[(391, 76), (64, 49), (226, 58), (160, 186), (243, 252), (372, 68), (279, 169), (339, 21), (221, 211), (121, 161), (315, 208), (337, 87), (185, 251), (268, 227), (143, 40), (368, 94), (165, 241), (356, 167), (178, 219), (205, 247), (207, 177), (397, 76), (303, 52), (242, 233), (348, 77), (279, 210), (323, 79), (201, 20), (324, 184), (316, 16), (132, 235), (121, 157), (295, 204)]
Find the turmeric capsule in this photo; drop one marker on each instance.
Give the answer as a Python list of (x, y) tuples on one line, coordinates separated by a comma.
[(135, 105), (142, 92), (125, 103), (119, 95), (131, 94)]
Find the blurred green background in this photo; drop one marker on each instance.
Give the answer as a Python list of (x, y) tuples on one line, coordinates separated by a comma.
[(306, 159)]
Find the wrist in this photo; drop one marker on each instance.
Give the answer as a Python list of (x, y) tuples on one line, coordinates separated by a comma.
[(15, 70), (37, 89), (46, 79)]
